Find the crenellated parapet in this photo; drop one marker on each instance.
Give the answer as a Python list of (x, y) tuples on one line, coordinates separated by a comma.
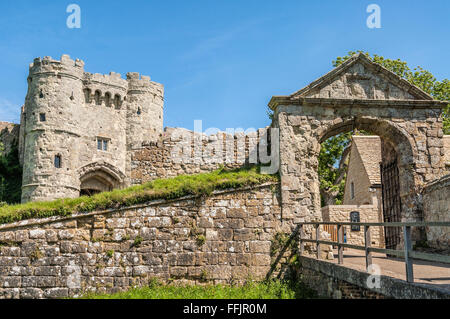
[(143, 84), (63, 67)]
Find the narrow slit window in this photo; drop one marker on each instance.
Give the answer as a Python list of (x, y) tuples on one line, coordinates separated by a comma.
[(42, 117), (352, 190), (58, 161), (102, 144)]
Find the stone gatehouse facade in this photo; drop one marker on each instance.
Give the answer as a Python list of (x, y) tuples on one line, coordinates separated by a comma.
[(77, 128)]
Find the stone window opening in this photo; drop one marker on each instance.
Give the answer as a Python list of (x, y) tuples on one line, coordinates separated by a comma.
[(42, 117), (87, 95), (102, 144), (352, 190), (98, 97), (117, 103), (57, 161), (139, 111), (41, 94), (108, 99)]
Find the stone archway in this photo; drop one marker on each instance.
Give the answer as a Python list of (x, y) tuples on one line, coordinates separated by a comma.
[(99, 177), (399, 141), (386, 105)]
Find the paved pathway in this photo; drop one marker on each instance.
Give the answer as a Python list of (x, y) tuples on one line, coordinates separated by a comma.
[(436, 274)]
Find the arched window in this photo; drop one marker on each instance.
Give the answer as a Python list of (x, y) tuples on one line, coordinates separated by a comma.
[(108, 99), (87, 95), (117, 101), (97, 97)]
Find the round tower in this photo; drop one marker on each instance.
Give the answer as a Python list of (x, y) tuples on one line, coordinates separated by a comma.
[(50, 129), (144, 111)]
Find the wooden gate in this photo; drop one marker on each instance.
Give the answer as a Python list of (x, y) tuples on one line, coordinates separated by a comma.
[(392, 205), (332, 230)]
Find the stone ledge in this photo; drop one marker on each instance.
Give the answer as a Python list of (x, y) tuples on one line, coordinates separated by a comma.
[(441, 182), (308, 101)]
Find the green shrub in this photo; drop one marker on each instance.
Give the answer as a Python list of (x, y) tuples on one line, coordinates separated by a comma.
[(271, 289)]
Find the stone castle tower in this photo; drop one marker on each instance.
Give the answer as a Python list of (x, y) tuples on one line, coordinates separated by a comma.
[(78, 129)]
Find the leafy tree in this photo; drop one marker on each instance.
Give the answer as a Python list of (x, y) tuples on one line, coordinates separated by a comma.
[(333, 167)]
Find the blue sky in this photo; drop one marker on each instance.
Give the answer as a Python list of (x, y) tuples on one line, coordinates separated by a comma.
[(220, 61)]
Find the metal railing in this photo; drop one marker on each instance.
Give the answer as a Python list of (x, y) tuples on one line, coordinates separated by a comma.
[(407, 253)]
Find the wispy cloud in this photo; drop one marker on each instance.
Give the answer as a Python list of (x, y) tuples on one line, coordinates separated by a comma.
[(209, 45), (219, 40), (9, 111)]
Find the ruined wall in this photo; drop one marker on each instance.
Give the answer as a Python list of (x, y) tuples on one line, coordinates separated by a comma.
[(181, 151), (367, 214), (436, 207), (221, 238)]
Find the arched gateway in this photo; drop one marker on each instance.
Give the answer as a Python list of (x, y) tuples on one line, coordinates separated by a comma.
[(363, 95), (99, 177)]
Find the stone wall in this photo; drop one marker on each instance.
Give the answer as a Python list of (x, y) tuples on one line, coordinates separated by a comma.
[(181, 151), (339, 282), (223, 238), (367, 213), (447, 152), (436, 207)]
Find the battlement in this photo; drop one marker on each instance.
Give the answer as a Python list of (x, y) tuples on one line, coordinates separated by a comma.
[(64, 65), (143, 83), (111, 79)]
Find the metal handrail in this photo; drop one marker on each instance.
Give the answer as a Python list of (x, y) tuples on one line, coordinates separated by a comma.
[(392, 224), (407, 253)]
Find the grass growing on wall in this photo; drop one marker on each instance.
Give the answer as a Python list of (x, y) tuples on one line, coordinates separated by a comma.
[(273, 289), (169, 188)]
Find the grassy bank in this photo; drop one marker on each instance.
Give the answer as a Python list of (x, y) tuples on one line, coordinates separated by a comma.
[(170, 188), (251, 290)]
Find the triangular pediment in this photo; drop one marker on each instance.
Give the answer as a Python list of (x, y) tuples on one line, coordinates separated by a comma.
[(360, 78)]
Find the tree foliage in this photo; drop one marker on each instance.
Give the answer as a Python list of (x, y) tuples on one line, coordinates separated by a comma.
[(331, 175), (332, 168)]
